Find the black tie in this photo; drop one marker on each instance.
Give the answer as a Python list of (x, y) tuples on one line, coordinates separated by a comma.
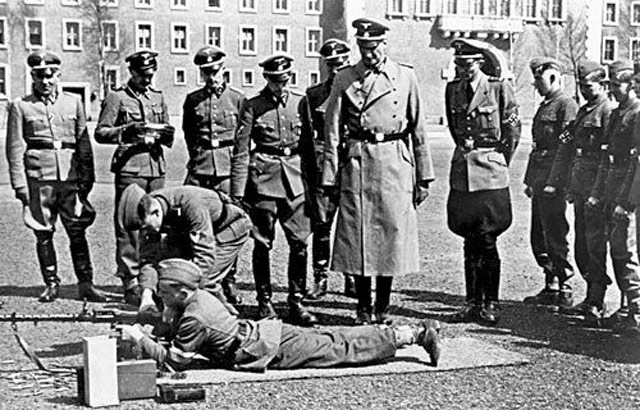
[(469, 93)]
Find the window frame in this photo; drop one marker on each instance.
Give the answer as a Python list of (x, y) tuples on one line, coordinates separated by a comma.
[(109, 3), (397, 13), (420, 13), (115, 68), (28, 44), (615, 48), (616, 19), (287, 49), (34, 2), (562, 11), (116, 37), (5, 44), (173, 6), (173, 49), (294, 80), (7, 81), (207, 7), (243, 9), (72, 3), (307, 32), (139, 5), (253, 52), (631, 41), (311, 11), (631, 6), (251, 83), (65, 46), (310, 76), (206, 34), (276, 10), (175, 76), (228, 74), (152, 30)]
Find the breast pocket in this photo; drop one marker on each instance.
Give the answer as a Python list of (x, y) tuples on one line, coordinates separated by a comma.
[(37, 127), (69, 124), (488, 116), (548, 124), (230, 119)]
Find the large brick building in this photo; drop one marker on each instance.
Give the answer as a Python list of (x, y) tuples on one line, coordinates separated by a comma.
[(249, 30)]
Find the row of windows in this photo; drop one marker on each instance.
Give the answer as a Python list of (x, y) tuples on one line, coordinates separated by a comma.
[(610, 49), (180, 36), (611, 15), (249, 6), (503, 8)]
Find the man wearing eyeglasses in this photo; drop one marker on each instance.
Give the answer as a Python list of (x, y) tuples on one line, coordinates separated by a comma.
[(135, 118), (52, 172), (482, 115), (209, 123)]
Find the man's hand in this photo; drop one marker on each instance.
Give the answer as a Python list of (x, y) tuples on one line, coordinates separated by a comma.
[(131, 332), (528, 191), (592, 202), (549, 191), (620, 213), (132, 130), (420, 193), (22, 194), (84, 188)]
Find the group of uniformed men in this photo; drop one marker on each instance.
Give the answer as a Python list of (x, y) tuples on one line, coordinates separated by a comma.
[(354, 146)]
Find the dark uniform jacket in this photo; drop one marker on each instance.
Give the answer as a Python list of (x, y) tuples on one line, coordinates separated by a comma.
[(206, 328), (486, 131), (209, 123), (195, 221), (579, 155), (133, 156), (48, 142), (617, 164), (312, 138), (272, 167), (551, 119)]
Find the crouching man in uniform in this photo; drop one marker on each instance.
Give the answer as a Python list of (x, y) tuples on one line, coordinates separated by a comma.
[(198, 224), (483, 119), (52, 172), (203, 327)]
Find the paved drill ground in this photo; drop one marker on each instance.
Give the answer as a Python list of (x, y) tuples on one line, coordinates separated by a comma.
[(573, 366)]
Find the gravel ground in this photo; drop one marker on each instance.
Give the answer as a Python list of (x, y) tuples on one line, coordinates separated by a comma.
[(572, 365)]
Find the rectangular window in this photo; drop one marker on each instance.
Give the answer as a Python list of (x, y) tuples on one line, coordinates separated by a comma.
[(314, 42), (33, 1), (179, 4), (213, 5), (280, 40), (71, 33), (3, 81), (109, 3), (635, 13), (248, 6), (247, 40), (314, 6), (505, 8), (314, 78), (110, 35), (179, 38), (70, 2), (609, 49), (143, 4), (293, 81), (281, 6), (144, 36), (452, 6), (423, 7), (555, 11), (478, 7), (179, 76), (611, 12), (34, 33), (213, 35), (111, 78), (634, 49), (530, 9), (248, 78), (3, 32), (226, 76), (396, 7)]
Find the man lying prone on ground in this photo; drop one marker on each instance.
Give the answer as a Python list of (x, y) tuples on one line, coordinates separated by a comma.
[(201, 327)]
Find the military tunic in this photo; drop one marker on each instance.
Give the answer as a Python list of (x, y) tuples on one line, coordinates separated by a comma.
[(549, 226), (133, 161), (386, 155), (485, 127), (207, 329), (209, 122), (582, 149)]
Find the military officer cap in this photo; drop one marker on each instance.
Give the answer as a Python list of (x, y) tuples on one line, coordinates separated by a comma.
[(142, 60), (539, 65), (209, 56), (40, 60), (465, 49), (590, 71), (128, 207), (334, 51), (621, 71), (180, 271), (277, 67), (370, 30)]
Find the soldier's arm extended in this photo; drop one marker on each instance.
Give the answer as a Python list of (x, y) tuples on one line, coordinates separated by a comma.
[(108, 129), (84, 151), (510, 126), (558, 175), (332, 126), (15, 149), (241, 154)]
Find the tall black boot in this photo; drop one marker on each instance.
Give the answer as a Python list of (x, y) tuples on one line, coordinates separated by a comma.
[(262, 277), (229, 285), (297, 273), (82, 266), (473, 297), (321, 249), (490, 266), (383, 297), (48, 266), (363, 308)]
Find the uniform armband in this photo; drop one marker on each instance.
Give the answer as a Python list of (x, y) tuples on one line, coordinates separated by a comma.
[(513, 120), (604, 147), (565, 137)]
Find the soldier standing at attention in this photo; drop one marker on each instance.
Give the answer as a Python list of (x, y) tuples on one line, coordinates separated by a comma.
[(135, 118), (269, 178), (483, 119), (545, 185), (209, 122), (51, 170), (324, 200), (584, 141), (385, 171)]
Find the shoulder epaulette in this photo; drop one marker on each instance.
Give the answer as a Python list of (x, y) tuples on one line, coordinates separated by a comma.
[(235, 89), (406, 65), (297, 92)]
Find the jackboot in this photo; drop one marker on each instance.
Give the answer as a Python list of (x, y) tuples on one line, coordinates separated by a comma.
[(82, 266), (320, 284), (297, 274), (48, 266), (473, 304), (490, 312), (383, 297), (262, 277), (229, 286), (298, 314), (350, 286), (363, 308), (321, 252)]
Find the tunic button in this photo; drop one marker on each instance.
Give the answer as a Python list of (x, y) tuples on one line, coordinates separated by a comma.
[(468, 128)]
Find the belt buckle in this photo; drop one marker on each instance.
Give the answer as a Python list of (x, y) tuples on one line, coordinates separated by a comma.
[(379, 136), (579, 152), (286, 151), (57, 144), (215, 143), (612, 160), (469, 143)]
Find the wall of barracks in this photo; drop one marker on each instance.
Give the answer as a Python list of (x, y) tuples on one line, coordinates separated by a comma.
[(421, 31)]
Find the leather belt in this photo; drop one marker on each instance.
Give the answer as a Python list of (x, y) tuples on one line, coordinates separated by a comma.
[(50, 145), (213, 144), (470, 143), (376, 137), (279, 151)]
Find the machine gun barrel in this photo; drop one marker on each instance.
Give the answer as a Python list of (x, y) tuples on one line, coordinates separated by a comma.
[(94, 316)]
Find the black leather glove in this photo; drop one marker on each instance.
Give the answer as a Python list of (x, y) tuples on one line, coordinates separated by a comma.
[(420, 193), (131, 132), (84, 188), (166, 135)]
